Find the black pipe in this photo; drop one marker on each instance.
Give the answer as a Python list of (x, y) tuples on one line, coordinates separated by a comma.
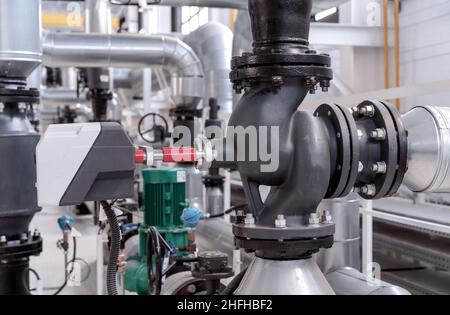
[(14, 276), (176, 22), (281, 23)]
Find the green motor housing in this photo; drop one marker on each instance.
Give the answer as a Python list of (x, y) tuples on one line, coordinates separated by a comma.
[(164, 200)]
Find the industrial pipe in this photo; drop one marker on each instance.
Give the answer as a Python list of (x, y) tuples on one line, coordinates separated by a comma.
[(230, 4), (227, 4), (349, 281), (212, 43), (58, 97), (129, 51), (397, 48), (97, 17), (82, 111)]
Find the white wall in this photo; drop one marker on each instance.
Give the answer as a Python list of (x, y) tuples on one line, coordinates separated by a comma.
[(425, 47)]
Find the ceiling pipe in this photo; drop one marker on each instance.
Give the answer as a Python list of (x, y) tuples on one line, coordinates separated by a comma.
[(130, 51), (229, 4)]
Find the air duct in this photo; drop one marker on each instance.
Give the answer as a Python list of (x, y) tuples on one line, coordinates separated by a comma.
[(212, 43), (130, 51)]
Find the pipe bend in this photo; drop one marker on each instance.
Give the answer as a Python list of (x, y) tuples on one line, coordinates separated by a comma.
[(120, 51)]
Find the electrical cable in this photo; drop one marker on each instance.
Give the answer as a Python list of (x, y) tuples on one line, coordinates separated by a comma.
[(74, 256), (238, 207), (84, 279), (60, 288), (111, 283), (234, 284), (24, 280), (154, 249)]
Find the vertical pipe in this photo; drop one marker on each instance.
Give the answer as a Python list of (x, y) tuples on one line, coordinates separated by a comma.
[(367, 238), (175, 13), (99, 262), (386, 44), (147, 75), (227, 190), (397, 49)]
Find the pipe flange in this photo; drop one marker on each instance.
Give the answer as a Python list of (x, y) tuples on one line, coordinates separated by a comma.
[(402, 139), (19, 95), (344, 159), (379, 144), (250, 60), (355, 163), (251, 68), (285, 249), (21, 247), (290, 232)]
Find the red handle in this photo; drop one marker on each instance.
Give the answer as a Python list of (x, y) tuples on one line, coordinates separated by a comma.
[(140, 157), (179, 155)]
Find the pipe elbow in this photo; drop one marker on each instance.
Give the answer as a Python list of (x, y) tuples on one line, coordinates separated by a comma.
[(181, 58)]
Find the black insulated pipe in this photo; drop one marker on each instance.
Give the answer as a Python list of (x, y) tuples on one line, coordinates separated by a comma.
[(280, 22)]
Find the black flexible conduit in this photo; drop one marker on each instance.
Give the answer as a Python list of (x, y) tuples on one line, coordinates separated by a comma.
[(111, 284), (234, 284)]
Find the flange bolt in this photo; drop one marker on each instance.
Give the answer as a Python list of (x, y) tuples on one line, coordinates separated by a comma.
[(367, 111), (314, 219), (249, 219), (326, 217), (280, 222), (23, 237), (379, 168), (378, 134), (369, 190), (360, 167), (325, 85)]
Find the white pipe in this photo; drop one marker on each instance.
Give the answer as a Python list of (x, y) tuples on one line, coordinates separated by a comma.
[(367, 238), (99, 265)]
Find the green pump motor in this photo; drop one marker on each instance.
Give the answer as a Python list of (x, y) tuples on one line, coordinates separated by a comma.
[(164, 200)]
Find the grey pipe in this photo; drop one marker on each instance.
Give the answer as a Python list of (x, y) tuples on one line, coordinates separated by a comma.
[(120, 51), (230, 4), (346, 249), (82, 111), (349, 281), (318, 5), (129, 51), (97, 16), (212, 43), (58, 97)]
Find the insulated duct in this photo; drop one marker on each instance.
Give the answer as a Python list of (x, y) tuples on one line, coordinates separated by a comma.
[(212, 43), (230, 4), (318, 5), (130, 51)]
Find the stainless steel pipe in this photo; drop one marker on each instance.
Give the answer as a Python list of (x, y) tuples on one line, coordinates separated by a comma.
[(230, 4), (212, 43), (428, 149), (20, 32), (129, 51)]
